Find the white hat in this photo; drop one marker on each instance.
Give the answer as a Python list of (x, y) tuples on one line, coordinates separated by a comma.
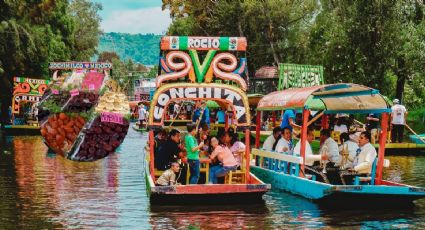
[(396, 101)]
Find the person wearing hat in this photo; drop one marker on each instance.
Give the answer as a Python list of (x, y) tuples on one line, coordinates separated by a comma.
[(398, 120)]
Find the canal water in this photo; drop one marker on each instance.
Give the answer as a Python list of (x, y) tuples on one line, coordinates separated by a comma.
[(39, 190)]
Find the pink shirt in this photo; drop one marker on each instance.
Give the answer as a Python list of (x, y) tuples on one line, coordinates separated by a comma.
[(224, 155), (236, 147)]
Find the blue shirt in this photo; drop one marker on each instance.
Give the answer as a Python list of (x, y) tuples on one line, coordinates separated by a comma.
[(285, 118), (205, 117), (221, 116)]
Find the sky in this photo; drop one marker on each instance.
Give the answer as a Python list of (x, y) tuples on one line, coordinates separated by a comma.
[(134, 16)]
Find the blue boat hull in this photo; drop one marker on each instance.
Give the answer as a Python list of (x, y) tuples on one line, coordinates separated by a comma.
[(347, 196)]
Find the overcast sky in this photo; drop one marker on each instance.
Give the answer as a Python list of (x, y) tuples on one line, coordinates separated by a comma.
[(134, 16)]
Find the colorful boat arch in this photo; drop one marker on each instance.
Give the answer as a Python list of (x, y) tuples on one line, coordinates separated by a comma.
[(229, 95), (27, 89), (334, 98)]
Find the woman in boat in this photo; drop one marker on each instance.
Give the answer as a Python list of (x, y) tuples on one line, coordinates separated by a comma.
[(227, 161), (269, 142), (363, 162), (236, 146)]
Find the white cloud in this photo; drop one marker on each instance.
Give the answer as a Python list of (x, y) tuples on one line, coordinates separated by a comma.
[(146, 20)]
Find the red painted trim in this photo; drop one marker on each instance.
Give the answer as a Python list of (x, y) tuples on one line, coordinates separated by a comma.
[(257, 130), (381, 150), (226, 122), (325, 121), (247, 153), (151, 152), (390, 183), (214, 189), (304, 127)]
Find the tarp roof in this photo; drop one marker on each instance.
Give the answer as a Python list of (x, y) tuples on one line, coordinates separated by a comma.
[(334, 98)]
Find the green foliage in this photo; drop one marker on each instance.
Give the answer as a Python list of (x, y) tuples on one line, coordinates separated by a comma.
[(143, 49)]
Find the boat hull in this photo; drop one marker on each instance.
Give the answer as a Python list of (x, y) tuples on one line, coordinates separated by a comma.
[(206, 193), (391, 195), (22, 130)]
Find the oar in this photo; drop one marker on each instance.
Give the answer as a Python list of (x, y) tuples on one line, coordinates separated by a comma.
[(199, 119), (174, 118), (411, 130), (315, 118)]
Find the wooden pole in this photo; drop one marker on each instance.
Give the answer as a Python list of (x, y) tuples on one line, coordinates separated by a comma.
[(315, 118), (151, 156), (247, 154), (411, 130), (381, 150), (226, 121), (325, 122), (303, 140), (257, 130)]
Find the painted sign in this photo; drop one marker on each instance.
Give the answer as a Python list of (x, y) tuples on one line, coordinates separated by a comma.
[(80, 65), (27, 89), (229, 95), (74, 92), (203, 43), (299, 76), (112, 117)]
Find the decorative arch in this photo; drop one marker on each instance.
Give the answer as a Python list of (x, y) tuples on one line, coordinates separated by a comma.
[(231, 95)]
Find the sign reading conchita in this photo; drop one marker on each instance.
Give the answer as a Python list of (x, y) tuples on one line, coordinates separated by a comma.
[(233, 97)]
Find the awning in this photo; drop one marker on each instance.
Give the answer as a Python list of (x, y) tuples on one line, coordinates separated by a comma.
[(335, 98)]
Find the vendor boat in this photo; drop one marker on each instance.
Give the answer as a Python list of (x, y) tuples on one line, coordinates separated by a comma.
[(240, 186), (371, 191)]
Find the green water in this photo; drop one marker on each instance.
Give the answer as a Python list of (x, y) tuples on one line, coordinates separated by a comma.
[(39, 190)]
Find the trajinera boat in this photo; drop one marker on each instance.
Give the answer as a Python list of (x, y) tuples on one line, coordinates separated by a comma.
[(287, 172), (184, 78)]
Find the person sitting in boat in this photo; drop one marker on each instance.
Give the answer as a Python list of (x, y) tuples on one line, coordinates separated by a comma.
[(329, 147), (284, 145), (269, 142), (226, 159), (363, 161), (168, 177), (236, 147), (169, 151), (349, 144), (311, 159), (159, 140), (340, 126), (192, 149)]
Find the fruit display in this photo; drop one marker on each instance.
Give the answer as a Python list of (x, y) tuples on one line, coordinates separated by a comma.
[(84, 121)]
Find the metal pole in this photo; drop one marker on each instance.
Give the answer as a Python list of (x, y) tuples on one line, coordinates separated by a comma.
[(381, 150)]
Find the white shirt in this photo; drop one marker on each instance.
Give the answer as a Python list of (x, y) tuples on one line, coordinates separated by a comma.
[(341, 128), (142, 113), (365, 159), (352, 148), (309, 157), (283, 143), (397, 114), (268, 144), (176, 108), (330, 148)]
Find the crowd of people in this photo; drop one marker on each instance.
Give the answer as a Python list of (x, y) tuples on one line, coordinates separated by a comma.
[(223, 153)]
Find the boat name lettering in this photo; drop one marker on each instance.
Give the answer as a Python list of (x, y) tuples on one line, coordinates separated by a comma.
[(204, 43), (228, 95)]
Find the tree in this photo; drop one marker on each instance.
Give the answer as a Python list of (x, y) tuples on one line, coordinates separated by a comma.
[(107, 56), (86, 30)]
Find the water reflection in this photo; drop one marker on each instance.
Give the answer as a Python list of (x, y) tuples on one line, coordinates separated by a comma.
[(40, 190)]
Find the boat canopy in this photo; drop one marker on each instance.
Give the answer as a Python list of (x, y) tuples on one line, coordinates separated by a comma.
[(333, 98)]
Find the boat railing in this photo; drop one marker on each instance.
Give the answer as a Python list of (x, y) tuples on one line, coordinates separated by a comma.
[(277, 161)]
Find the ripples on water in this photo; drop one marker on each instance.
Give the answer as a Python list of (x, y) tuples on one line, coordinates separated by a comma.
[(39, 190)]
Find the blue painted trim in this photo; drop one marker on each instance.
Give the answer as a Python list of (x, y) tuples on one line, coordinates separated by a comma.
[(347, 94), (338, 86), (387, 110)]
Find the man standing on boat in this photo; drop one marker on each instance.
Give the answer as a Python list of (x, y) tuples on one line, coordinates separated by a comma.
[(142, 115), (363, 162), (398, 120), (288, 120), (192, 149)]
